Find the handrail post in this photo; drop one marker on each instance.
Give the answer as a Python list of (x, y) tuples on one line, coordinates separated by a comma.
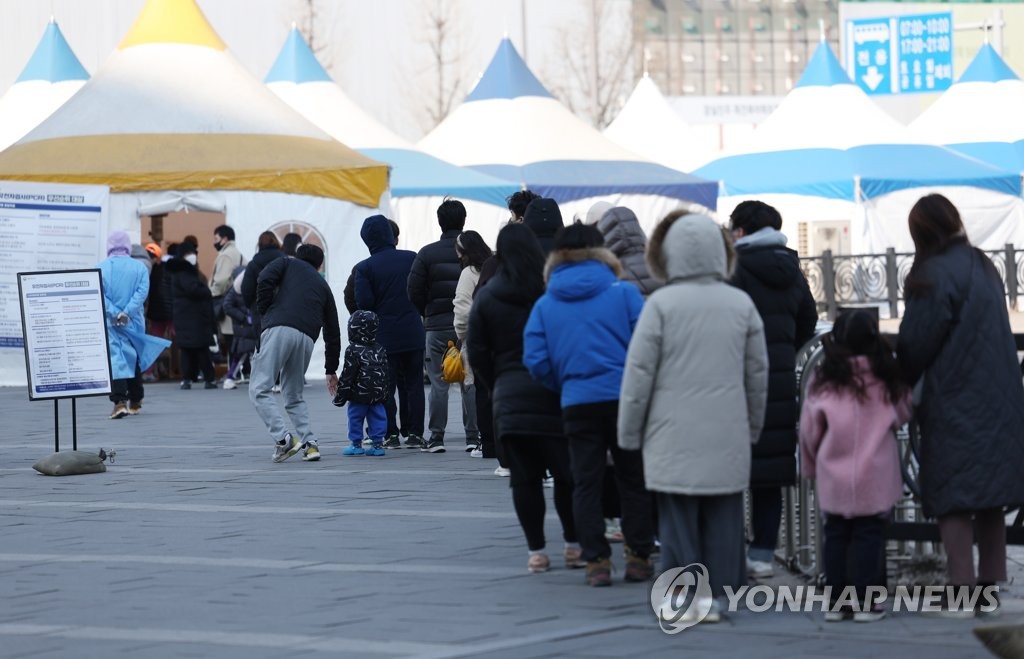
[(891, 282), (828, 280), (1011, 275)]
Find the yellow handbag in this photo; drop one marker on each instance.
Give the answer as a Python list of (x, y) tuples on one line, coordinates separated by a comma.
[(451, 366)]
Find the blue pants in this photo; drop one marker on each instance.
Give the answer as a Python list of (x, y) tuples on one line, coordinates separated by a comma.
[(376, 422)]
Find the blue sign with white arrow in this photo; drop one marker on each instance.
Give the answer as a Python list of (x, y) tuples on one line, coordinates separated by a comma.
[(901, 54)]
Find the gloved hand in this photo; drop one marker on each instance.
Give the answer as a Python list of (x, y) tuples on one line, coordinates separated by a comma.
[(121, 320)]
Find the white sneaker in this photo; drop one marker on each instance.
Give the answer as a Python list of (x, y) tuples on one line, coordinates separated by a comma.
[(549, 482), (502, 471), (759, 569), (476, 453), (276, 389), (229, 384)]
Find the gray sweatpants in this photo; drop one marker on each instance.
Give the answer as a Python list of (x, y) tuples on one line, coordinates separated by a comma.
[(283, 350), (704, 529), (437, 403)]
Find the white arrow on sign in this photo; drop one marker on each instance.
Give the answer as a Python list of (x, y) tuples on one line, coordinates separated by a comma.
[(872, 78)]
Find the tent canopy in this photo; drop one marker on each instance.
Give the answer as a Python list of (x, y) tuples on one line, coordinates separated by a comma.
[(511, 127), (827, 139), (300, 80), (171, 109)]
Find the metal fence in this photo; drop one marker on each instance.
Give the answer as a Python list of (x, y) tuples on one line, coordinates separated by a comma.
[(877, 279)]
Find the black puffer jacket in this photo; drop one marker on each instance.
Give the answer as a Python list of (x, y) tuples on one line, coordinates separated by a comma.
[(160, 307), (522, 406), (626, 240), (956, 335), (770, 274), (364, 377), (432, 281), (260, 260), (194, 326), (242, 322)]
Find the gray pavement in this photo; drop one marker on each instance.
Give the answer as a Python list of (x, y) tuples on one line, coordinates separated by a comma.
[(193, 544)]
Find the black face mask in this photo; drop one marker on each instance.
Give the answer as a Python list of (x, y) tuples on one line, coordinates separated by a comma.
[(218, 246)]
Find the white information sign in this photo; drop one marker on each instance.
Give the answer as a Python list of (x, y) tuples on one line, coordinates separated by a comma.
[(65, 333), (46, 226)]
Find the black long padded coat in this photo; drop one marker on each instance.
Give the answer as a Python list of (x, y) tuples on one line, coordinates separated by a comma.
[(194, 325), (956, 337), (771, 276)]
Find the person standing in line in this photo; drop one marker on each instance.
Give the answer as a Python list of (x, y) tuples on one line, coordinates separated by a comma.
[(244, 342), (364, 385), (770, 274), (575, 343), (855, 403), (628, 242), (158, 309), (194, 325), (227, 261), (957, 347), (291, 243), (125, 287), (431, 288), (545, 220), (693, 400), (268, 250), (379, 285), (528, 415), (294, 303), (472, 252)]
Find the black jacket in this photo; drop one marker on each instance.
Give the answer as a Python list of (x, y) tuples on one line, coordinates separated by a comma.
[(432, 280), (626, 240), (364, 377), (956, 336), (160, 307), (771, 276), (260, 260), (242, 322), (194, 325), (522, 406), (380, 286), (291, 293)]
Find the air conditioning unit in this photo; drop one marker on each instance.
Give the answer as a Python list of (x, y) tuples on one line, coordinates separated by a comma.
[(816, 237)]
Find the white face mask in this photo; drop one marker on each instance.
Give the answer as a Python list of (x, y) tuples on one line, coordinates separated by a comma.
[(191, 258)]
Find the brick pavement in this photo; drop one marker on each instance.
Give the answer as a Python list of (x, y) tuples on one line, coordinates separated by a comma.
[(195, 544)]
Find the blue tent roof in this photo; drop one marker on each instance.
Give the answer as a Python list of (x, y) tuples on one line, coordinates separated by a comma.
[(823, 70), (417, 174), (830, 173), (296, 63), (1004, 155), (507, 76), (53, 59), (569, 180), (987, 66)]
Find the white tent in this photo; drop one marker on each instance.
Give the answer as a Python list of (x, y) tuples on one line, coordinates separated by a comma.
[(419, 182), (510, 126), (648, 125), (52, 75), (981, 114), (172, 121), (829, 153)]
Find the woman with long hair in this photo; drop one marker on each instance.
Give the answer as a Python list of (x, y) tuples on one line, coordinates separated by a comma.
[(528, 416), (472, 252), (956, 347)]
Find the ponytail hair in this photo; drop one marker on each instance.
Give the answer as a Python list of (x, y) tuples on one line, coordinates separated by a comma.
[(856, 334)]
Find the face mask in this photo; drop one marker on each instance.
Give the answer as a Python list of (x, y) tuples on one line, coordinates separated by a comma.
[(218, 246), (191, 258)]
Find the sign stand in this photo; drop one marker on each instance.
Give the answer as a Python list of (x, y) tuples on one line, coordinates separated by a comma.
[(56, 425)]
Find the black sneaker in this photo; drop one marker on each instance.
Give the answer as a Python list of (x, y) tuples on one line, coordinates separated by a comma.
[(392, 441), (435, 445), (414, 442), (472, 445)]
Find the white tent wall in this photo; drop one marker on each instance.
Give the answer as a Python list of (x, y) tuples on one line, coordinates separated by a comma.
[(649, 209), (417, 220)]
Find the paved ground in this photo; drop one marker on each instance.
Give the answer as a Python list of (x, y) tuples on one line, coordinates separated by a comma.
[(194, 544)]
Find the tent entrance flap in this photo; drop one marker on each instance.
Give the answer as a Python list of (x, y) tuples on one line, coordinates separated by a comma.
[(192, 200)]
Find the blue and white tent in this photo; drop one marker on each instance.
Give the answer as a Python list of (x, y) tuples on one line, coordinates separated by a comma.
[(510, 126), (981, 114), (419, 181), (52, 75), (829, 153)]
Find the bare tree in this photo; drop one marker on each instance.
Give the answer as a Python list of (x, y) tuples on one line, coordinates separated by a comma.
[(313, 29), (596, 61), (444, 78)]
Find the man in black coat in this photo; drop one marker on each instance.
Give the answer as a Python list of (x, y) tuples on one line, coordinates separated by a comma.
[(431, 288), (379, 285), (294, 302), (770, 274)]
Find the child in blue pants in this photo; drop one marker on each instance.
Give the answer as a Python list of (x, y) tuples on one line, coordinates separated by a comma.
[(364, 385)]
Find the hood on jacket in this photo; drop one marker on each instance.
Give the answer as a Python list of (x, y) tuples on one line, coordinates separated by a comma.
[(179, 264), (689, 246), (590, 271), (622, 232), (119, 244), (362, 326), (768, 259), (597, 211), (377, 234), (543, 217)]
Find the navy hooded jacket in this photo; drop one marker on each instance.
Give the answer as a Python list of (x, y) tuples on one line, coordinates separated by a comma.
[(380, 287)]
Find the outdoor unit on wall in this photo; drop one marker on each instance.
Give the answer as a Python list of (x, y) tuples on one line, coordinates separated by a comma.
[(816, 237)]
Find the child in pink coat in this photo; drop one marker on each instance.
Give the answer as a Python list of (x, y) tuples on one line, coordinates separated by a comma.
[(855, 404)]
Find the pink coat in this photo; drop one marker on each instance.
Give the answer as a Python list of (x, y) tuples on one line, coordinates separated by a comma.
[(850, 446)]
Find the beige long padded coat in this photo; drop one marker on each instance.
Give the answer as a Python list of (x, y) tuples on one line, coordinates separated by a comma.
[(696, 380)]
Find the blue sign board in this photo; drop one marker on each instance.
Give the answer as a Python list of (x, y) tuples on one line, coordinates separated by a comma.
[(901, 54)]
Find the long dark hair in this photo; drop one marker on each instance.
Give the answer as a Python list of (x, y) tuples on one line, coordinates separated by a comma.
[(472, 249), (855, 333), (521, 259), (934, 224)]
